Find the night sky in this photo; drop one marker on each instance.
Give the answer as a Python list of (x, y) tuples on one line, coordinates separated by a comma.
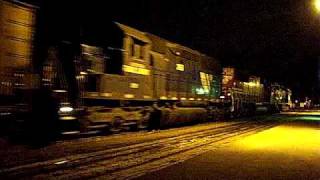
[(275, 39)]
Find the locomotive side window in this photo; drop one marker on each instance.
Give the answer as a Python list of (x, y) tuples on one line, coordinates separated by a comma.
[(132, 49), (151, 60), (91, 84), (142, 50), (193, 70), (137, 49)]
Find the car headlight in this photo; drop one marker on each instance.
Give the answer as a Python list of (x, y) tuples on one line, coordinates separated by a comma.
[(66, 109)]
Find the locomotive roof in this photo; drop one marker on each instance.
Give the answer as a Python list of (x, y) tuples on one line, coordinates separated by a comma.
[(134, 32), (161, 45), (21, 4), (183, 48), (158, 44)]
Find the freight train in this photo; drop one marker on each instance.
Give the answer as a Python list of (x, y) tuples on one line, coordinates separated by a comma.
[(141, 70), (124, 78)]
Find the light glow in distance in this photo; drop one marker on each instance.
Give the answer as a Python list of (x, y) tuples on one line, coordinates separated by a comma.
[(316, 4)]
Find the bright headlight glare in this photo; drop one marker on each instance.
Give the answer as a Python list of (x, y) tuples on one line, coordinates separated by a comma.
[(66, 109)]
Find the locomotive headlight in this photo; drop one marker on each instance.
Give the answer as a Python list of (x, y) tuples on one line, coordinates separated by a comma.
[(66, 109)]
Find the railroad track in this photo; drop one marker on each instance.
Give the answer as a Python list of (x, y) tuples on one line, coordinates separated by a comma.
[(117, 141), (133, 160)]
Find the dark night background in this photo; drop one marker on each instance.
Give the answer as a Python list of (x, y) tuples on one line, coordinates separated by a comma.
[(275, 39)]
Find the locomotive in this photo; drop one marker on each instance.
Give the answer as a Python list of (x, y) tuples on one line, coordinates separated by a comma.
[(116, 76), (147, 69)]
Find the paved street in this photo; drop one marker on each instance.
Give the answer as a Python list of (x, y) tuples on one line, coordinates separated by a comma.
[(276, 147)]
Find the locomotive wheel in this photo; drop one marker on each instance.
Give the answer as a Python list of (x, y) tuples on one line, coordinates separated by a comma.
[(116, 124)]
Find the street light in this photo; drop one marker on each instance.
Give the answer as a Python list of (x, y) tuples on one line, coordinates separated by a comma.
[(317, 5)]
